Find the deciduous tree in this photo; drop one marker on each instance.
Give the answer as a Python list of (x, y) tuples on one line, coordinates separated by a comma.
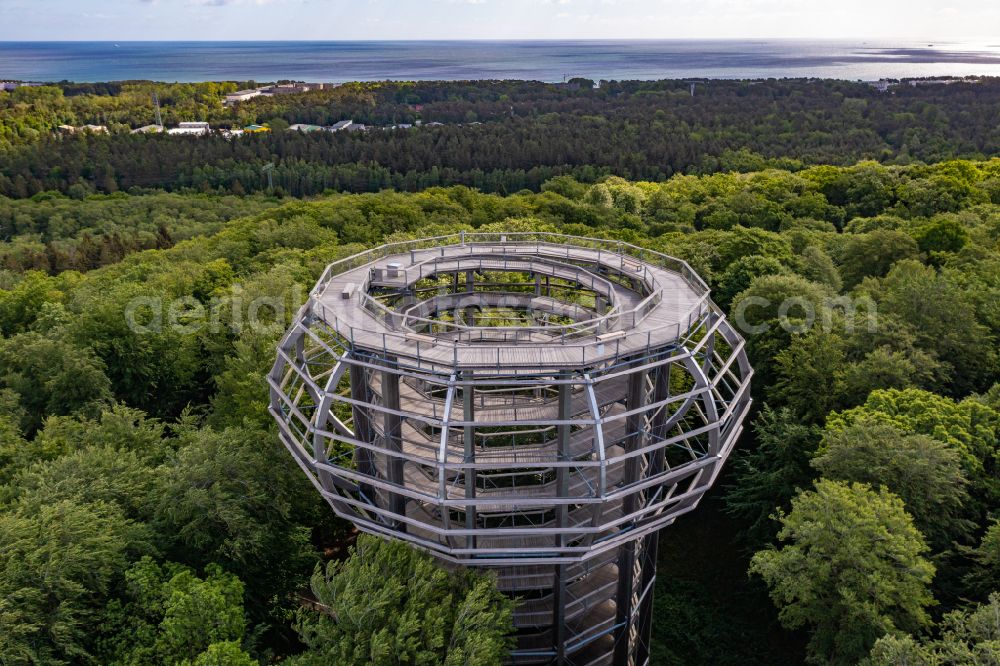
[(926, 473), (389, 604), (852, 569)]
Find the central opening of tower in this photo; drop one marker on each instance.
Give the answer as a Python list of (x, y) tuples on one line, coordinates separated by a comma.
[(518, 298)]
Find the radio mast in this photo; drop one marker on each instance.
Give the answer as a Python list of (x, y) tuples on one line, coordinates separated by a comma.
[(156, 105)]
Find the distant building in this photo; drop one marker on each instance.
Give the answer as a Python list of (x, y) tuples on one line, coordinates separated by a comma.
[(256, 129), (232, 133), (14, 85), (939, 82), (342, 125), (355, 127), (95, 129), (882, 85), (302, 127), (287, 89), (241, 96), (148, 129), (190, 127)]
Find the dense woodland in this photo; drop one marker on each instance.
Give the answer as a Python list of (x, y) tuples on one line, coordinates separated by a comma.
[(496, 136), (148, 514)]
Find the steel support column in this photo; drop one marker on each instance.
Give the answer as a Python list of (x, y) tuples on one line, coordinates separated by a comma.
[(469, 444), (364, 460), (392, 429), (562, 513)]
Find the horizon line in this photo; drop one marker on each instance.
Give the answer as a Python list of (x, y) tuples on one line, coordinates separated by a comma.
[(930, 41)]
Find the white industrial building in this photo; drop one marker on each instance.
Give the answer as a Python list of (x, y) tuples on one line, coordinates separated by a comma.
[(241, 96), (196, 128)]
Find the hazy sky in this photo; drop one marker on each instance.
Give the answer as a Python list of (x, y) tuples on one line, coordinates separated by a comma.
[(938, 20)]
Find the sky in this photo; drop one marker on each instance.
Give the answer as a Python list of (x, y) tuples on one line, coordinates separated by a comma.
[(969, 21)]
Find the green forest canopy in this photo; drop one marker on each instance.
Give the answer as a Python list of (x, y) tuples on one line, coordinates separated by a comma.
[(141, 478), (498, 136)]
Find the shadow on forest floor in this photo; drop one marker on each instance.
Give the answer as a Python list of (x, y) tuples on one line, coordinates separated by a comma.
[(705, 610)]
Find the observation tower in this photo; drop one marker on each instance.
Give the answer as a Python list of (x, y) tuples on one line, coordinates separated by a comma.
[(535, 404)]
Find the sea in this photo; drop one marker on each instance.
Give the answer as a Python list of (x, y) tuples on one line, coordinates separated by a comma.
[(550, 61)]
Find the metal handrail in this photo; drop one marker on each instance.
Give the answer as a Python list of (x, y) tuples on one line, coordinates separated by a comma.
[(564, 331), (645, 255), (581, 275), (593, 350), (588, 350), (388, 315), (443, 302), (409, 318)]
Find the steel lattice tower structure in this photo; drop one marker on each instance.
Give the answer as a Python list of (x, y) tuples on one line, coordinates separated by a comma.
[(539, 405)]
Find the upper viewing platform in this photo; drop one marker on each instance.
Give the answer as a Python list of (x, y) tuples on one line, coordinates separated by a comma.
[(509, 300)]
